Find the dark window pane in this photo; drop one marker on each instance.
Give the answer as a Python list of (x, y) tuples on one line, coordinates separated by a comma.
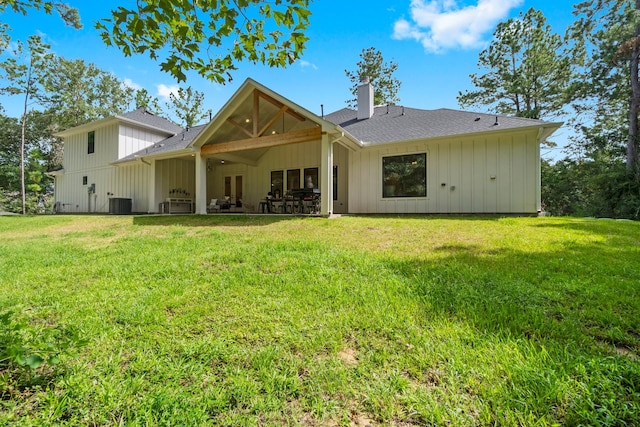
[(91, 142), (293, 179), (277, 180), (311, 178), (404, 176), (227, 186)]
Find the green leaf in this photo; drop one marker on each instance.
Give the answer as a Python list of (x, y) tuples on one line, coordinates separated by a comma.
[(34, 361)]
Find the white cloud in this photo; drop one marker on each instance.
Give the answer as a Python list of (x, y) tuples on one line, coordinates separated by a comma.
[(130, 83), (443, 24), (307, 64), (164, 91)]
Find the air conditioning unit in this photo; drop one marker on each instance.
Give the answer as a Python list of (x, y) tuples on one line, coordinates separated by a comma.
[(119, 206)]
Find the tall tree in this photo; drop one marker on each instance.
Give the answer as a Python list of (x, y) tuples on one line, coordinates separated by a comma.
[(9, 153), (80, 92), (380, 75), (187, 105), (210, 36), (147, 101), (25, 79), (609, 87), (528, 71)]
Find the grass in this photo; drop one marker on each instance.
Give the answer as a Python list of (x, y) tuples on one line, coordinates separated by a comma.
[(232, 320)]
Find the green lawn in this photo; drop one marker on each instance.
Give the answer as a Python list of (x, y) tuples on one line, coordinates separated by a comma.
[(232, 320)]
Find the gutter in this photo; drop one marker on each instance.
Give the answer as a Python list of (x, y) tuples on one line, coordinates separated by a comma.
[(142, 160), (159, 156), (544, 131), (55, 173)]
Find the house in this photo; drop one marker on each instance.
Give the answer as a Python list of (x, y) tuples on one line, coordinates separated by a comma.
[(376, 159)]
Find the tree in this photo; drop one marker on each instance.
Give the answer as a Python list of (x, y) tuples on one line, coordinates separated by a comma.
[(148, 102), (187, 105), (80, 92), (380, 75), (37, 160), (209, 36), (527, 74), (609, 86), (9, 153), (69, 14), (25, 79)]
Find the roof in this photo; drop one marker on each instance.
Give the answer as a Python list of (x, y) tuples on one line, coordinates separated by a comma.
[(395, 123), (237, 100), (144, 116), (388, 124), (140, 117), (174, 143)]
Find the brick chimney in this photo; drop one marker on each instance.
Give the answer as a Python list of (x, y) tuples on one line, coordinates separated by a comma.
[(365, 98)]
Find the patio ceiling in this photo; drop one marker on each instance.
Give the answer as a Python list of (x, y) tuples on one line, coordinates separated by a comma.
[(256, 124)]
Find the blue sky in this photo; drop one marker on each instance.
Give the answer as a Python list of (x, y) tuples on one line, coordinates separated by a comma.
[(435, 43)]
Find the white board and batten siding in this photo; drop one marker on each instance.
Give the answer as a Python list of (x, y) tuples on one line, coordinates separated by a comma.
[(111, 142), (498, 173)]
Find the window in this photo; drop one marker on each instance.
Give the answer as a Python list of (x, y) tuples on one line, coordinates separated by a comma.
[(227, 186), (91, 142), (84, 180), (311, 178), (277, 180), (404, 176), (293, 179)]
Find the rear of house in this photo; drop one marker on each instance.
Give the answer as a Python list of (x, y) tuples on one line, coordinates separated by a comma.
[(388, 159)]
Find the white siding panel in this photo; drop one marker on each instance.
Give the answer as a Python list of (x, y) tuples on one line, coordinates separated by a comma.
[(175, 178), (478, 158), (133, 139), (442, 163), (76, 157), (110, 181), (494, 174), (341, 160), (518, 177), (491, 187), (455, 177)]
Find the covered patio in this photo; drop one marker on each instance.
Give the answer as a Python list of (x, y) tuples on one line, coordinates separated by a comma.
[(263, 154)]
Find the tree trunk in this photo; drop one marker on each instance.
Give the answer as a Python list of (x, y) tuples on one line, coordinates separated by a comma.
[(23, 191), (23, 126), (634, 102)]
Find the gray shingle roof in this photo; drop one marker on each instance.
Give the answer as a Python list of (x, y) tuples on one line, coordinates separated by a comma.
[(179, 141), (395, 123), (146, 117)]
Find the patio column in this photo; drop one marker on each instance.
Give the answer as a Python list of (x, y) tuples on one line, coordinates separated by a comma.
[(152, 196), (201, 184), (326, 176)]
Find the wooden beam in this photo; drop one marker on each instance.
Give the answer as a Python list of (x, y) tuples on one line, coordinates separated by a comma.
[(305, 135), (273, 120), (280, 104), (256, 112), (239, 126)]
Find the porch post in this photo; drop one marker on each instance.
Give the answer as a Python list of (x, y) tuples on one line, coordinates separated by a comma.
[(326, 176), (201, 184), (151, 198)]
